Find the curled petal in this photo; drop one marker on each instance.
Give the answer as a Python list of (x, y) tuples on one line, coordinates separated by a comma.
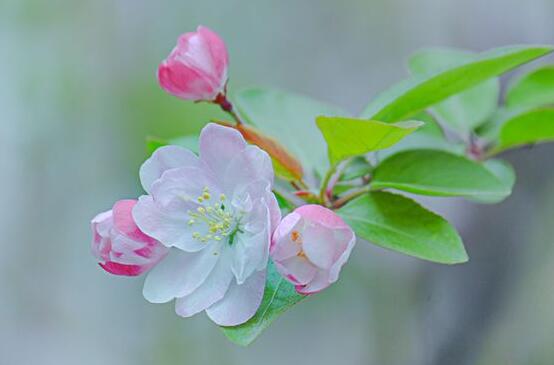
[(282, 246), (120, 247), (310, 246), (196, 69)]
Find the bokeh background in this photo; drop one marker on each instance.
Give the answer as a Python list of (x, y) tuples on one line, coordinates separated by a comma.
[(78, 96)]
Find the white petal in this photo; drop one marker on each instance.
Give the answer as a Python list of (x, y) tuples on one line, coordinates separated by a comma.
[(218, 145), (165, 158), (102, 223), (274, 210), (259, 189), (240, 302), (249, 165), (212, 290), (186, 184), (179, 274), (169, 226), (250, 253)]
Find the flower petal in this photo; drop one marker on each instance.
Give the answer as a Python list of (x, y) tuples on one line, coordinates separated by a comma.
[(321, 215), (335, 269), (124, 222), (122, 270), (286, 247), (251, 249), (323, 246), (101, 224), (167, 226), (297, 269), (181, 187), (240, 302), (218, 145), (249, 165), (218, 52), (179, 274), (319, 282), (163, 159), (255, 190), (212, 290), (325, 236)]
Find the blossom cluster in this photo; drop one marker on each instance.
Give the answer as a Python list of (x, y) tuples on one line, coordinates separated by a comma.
[(207, 225)]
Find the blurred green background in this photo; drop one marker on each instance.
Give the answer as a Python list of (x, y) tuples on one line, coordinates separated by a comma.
[(78, 96)]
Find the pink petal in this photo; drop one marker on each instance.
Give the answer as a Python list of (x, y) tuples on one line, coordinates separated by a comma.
[(319, 282), (240, 302), (185, 82), (324, 246), (123, 270), (282, 247), (218, 51), (124, 222), (196, 68), (297, 269), (321, 215)]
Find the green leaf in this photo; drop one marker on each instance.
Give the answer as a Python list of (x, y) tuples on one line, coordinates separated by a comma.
[(529, 127), (189, 142), (468, 109), (416, 94), (153, 143), (505, 174), (356, 168), (534, 89), (398, 223), (437, 173), (279, 296), (290, 119), (428, 136), (347, 137)]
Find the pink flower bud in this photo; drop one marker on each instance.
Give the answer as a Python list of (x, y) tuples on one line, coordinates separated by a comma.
[(310, 246), (196, 69), (118, 244)]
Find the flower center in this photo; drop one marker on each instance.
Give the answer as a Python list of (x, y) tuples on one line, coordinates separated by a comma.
[(212, 213)]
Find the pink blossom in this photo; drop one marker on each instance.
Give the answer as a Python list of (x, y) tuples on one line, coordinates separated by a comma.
[(217, 213), (119, 245), (310, 246), (196, 69)]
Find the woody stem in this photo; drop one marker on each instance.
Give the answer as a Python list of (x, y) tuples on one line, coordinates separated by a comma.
[(227, 106)]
